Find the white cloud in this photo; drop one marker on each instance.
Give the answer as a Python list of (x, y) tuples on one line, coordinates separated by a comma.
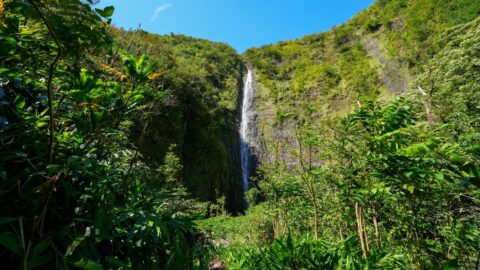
[(159, 10)]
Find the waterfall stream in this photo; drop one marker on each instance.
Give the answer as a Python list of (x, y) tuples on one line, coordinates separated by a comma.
[(247, 129)]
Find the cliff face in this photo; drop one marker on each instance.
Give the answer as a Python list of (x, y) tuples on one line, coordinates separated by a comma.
[(251, 135), (376, 55), (200, 85)]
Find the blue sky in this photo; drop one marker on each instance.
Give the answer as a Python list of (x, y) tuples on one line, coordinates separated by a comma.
[(240, 23)]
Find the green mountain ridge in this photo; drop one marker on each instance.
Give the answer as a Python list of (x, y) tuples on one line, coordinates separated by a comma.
[(375, 56), (204, 79)]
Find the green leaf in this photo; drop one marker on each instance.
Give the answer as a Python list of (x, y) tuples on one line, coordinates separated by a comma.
[(71, 248), (410, 188), (106, 12), (19, 102), (88, 264), (450, 265), (116, 262), (9, 241), (73, 159), (41, 247), (439, 176), (137, 98), (41, 124), (78, 139), (414, 150), (35, 262), (457, 159), (7, 45), (52, 168), (4, 220)]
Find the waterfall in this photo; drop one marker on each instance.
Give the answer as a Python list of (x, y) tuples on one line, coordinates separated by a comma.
[(247, 129)]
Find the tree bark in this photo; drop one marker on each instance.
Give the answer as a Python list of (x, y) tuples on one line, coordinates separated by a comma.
[(361, 230), (377, 230), (364, 231)]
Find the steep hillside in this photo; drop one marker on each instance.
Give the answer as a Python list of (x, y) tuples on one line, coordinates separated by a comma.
[(374, 56), (201, 81)]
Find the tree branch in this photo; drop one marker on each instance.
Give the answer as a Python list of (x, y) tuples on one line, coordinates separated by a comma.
[(51, 71)]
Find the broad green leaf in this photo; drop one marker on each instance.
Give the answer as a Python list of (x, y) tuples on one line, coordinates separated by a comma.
[(7, 45), (4, 220), (88, 264), (450, 265), (106, 12), (37, 261), (137, 97), (414, 150), (410, 188), (9, 241), (41, 124), (458, 159), (439, 176), (41, 247), (72, 159), (71, 248), (19, 102), (116, 262), (78, 139), (52, 169)]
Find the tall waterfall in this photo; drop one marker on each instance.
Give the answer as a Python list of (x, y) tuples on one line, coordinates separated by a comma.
[(247, 128)]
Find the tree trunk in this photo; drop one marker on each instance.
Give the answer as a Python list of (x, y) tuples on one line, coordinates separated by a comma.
[(361, 229), (377, 230), (315, 217), (364, 231)]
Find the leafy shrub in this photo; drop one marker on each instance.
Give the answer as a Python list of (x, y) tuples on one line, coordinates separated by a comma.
[(310, 254), (75, 193)]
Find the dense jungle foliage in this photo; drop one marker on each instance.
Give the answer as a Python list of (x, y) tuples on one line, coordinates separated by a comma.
[(105, 134), (119, 149)]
